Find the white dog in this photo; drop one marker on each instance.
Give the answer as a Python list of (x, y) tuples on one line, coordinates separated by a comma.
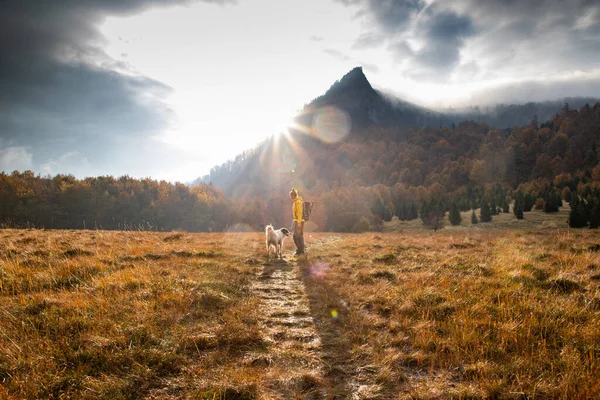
[(274, 238)]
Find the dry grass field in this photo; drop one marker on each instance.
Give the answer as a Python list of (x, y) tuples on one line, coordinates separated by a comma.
[(461, 314)]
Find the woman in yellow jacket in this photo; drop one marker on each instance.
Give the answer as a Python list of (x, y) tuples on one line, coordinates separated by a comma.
[(298, 221)]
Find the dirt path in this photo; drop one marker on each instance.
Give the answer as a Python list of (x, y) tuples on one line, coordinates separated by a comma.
[(293, 366), (308, 358)]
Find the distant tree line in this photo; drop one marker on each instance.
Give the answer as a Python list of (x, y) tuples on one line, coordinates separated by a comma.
[(59, 202)]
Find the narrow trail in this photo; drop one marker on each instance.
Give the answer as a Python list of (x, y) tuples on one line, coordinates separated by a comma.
[(294, 368), (308, 358)]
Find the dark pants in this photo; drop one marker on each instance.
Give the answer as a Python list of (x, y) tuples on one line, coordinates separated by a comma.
[(298, 229)]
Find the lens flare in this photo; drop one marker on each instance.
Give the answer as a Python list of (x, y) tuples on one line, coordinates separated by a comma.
[(319, 269), (330, 124), (334, 314)]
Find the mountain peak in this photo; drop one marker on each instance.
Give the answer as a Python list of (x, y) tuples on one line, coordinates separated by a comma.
[(356, 74), (355, 80)]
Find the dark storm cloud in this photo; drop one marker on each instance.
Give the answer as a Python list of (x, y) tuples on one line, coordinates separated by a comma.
[(394, 15), (61, 97), (440, 40), (443, 35)]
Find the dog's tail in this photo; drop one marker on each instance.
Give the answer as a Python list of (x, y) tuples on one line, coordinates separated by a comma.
[(285, 231)]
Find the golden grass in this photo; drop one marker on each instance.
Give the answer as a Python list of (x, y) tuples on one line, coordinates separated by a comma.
[(454, 314), (125, 315), (488, 314)]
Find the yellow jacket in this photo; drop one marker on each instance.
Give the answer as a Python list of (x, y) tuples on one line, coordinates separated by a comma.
[(297, 209)]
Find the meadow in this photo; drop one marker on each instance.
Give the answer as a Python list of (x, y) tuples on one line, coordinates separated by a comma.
[(471, 313)]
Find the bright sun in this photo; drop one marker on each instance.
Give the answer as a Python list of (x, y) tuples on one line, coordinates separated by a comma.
[(223, 134)]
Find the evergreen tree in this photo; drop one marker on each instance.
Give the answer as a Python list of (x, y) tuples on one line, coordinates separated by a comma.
[(529, 201), (505, 206), (485, 214), (464, 204), (594, 218), (387, 214), (566, 194), (595, 213), (401, 212), (454, 215), (518, 210), (577, 215), (518, 206), (381, 210), (398, 211), (493, 205), (432, 214), (474, 219), (414, 214), (552, 200)]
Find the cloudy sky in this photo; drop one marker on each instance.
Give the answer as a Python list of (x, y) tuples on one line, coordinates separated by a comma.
[(170, 88)]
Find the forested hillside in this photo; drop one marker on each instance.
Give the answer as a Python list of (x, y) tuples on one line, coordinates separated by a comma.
[(386, 171)]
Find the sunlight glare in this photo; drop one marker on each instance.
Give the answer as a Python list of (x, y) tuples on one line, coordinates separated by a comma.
[(331, 124)]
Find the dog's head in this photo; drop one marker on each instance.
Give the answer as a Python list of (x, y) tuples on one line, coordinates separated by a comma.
[(285, 231)]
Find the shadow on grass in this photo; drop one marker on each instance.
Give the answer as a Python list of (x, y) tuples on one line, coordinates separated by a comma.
[(331, 320), (272, 266)]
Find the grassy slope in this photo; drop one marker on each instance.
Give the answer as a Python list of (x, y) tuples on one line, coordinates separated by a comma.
[(471, 313)]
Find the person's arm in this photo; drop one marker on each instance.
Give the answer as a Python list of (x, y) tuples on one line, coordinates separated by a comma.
[(294, 212), (297, 211), (293, 228)]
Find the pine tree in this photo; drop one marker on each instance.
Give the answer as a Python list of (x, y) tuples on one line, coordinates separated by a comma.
[(518, 210), (518, 206), (379, 208), (485, 214), (414, 214), (402, 212), (387, 214), (505, 206), (399, 211), (567, 195), (529, 201), (595, 213), (474, 219), (552, 200), (432, 214), (577, 215), (454, 215), (594, 218), (493, 206)]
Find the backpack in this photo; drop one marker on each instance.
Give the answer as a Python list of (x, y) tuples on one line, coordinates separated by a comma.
[(307, 209)]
